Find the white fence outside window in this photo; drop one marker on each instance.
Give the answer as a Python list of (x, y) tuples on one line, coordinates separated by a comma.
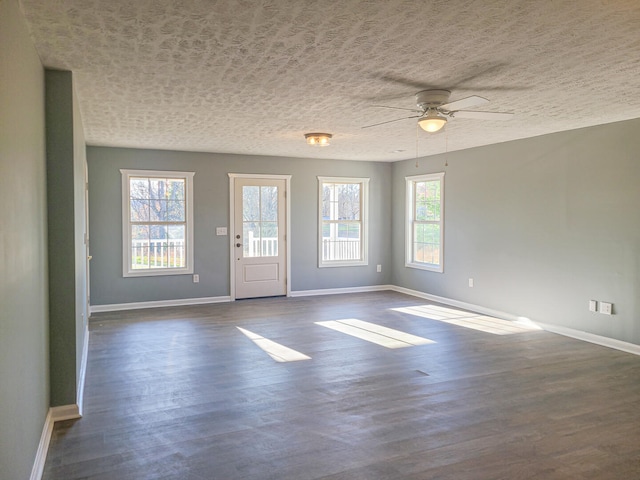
[(340, 249), (261, 247), (158, 253)]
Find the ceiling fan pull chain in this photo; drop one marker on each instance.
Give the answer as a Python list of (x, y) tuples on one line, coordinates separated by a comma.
[(417, 130), (446, 148)]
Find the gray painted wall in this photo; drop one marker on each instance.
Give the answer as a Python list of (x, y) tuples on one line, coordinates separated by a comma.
[(211, 199), (67, 256), (543, 225), (24, 333)]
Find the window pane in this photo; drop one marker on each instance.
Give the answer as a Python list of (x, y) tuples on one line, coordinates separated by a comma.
[(175, 189), (251, 203), (139, 210), (158, 246), (341, 241), (269, 201), (349, 230), (326, 204), (176, 246), (348, 201), (427, 201), (426, 243), (139, 246), (139, 188), (176, 211), (158, 210), (157, 188)]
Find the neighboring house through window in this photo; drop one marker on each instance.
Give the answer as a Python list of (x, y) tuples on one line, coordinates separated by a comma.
[(425, 222), (343, 204), (157, 226)]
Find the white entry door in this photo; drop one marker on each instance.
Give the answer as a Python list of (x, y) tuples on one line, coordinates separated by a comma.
[(259, 236)]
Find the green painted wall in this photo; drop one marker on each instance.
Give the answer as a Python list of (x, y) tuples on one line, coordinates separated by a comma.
[(211, 201), (67, 257), (24, 317), (542, 225)]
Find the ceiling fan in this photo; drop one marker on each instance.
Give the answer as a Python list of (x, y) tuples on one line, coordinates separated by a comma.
[(434, 110)]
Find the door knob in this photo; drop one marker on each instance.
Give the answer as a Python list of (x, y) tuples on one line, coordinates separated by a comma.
[(238, 245)]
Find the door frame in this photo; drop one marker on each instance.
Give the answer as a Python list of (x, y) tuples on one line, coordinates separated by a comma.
[(232, 232)]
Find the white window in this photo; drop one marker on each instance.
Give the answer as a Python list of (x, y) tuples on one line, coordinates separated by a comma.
[(342, 221), (157, 222), (425, 227)]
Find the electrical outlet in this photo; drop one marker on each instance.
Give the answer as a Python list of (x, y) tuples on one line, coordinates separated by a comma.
[(196, 278), (606, 308), (593, 306), (379, 268), (471, 283)]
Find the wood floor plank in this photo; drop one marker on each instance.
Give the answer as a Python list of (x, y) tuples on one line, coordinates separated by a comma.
[(180, 393)]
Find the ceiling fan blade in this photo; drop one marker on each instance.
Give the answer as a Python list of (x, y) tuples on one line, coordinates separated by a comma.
[(398, 108), (467, 102), (407, 82), (482, 115), (390, 121)]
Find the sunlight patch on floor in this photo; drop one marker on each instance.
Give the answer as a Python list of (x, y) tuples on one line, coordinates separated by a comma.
[(387, 337), (278, 352), (483, 323)]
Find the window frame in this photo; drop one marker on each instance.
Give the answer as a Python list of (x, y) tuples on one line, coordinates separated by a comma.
[(364, 221), (127, 271), (411, 222)]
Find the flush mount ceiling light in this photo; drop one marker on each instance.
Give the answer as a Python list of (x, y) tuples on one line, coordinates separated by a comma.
[(432, 121), (319, 139)]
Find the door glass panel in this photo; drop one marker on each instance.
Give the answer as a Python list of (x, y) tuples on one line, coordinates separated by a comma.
[(269, 239), (251, 203), (269, 200), (251, 239), (260, 221)]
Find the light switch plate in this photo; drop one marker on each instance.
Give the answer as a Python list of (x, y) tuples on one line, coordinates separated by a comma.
[(221, 230)]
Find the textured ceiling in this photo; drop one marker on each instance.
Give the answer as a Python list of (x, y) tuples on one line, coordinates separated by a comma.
[(252, 76)]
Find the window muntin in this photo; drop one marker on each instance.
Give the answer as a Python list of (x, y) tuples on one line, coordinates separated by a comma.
[(425, 225), (157, 222), (342, 221)]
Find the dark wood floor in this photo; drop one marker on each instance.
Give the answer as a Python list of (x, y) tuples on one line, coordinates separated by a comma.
[(181, 393)]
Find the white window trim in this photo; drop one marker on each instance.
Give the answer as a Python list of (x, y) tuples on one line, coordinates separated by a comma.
[(364, 220), (409, 212), (127, 271)]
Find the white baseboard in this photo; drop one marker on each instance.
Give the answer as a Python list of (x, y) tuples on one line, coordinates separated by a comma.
[(43, 448), (159, 303), (55, 414), (592, 338), (83, 371), (457, 303), (567, 332), (337, 291), (65, 412)]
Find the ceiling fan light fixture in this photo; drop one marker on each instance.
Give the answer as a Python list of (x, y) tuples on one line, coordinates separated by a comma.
[(432, 121), (318, 139)]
